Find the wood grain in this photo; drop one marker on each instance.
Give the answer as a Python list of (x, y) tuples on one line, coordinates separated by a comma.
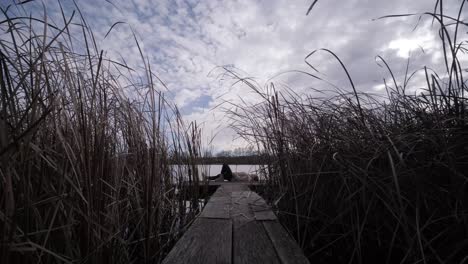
[(286, 248), (261, 209), (251, 243), (207, 241), (217, 207), (236, 226)]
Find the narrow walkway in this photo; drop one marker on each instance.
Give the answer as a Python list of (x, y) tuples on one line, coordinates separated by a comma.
[(236, 226)]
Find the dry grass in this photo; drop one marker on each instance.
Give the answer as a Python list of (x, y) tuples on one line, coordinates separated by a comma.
[(361, 179), (84, 170)]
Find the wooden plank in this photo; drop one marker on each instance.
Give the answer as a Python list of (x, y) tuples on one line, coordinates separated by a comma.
[(219, 204), (240, 209), (261, 209), (237, 226), (286, 248), (207, 241), (229, 188), (217, 207), (265, 215), (251, 244), (220, 199), (222, 191)]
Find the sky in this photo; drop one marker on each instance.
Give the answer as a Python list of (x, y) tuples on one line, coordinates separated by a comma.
[(186, 42)]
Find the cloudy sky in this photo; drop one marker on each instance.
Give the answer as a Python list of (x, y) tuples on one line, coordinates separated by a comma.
[(186, 40)]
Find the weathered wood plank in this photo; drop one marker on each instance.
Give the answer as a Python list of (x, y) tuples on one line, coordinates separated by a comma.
[(261, 209), (219, 204), (207, 241), (229, 188), (217, 207), (226, 190), (240, 209), (251, 243), (264, 214), (286, 248), (237, 226)]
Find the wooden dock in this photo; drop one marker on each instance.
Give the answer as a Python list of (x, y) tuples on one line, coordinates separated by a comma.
[(236, 226), (209, 187)]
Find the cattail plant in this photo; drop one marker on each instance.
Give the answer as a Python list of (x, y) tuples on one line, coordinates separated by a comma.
[(360, 179), (85, 157)]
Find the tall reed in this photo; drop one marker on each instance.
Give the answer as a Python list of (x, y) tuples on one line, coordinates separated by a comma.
[(361, 179), (85, 169)]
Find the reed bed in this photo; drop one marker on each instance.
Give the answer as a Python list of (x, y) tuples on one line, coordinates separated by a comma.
[(357, 178), (90, 160)]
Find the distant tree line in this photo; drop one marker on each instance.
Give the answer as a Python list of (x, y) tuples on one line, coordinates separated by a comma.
[(237, 152), (251, 159), (238, 155)]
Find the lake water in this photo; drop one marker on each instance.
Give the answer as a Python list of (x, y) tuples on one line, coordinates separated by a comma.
[(215, 169)]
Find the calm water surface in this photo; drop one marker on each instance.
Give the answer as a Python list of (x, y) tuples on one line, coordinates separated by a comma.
[(215, 169)]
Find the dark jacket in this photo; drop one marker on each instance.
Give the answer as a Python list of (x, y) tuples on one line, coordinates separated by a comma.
[(226, 172)]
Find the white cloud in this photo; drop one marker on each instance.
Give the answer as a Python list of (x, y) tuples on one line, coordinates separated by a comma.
[(423, 40), (379, 87), (186, 39)]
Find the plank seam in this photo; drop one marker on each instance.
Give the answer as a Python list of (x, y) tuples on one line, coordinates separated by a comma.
[(272, 242)]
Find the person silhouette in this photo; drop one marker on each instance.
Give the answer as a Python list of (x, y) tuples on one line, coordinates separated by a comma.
[(226, 173)]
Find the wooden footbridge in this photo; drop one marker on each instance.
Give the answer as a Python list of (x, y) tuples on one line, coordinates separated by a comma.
[(236, 226)]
